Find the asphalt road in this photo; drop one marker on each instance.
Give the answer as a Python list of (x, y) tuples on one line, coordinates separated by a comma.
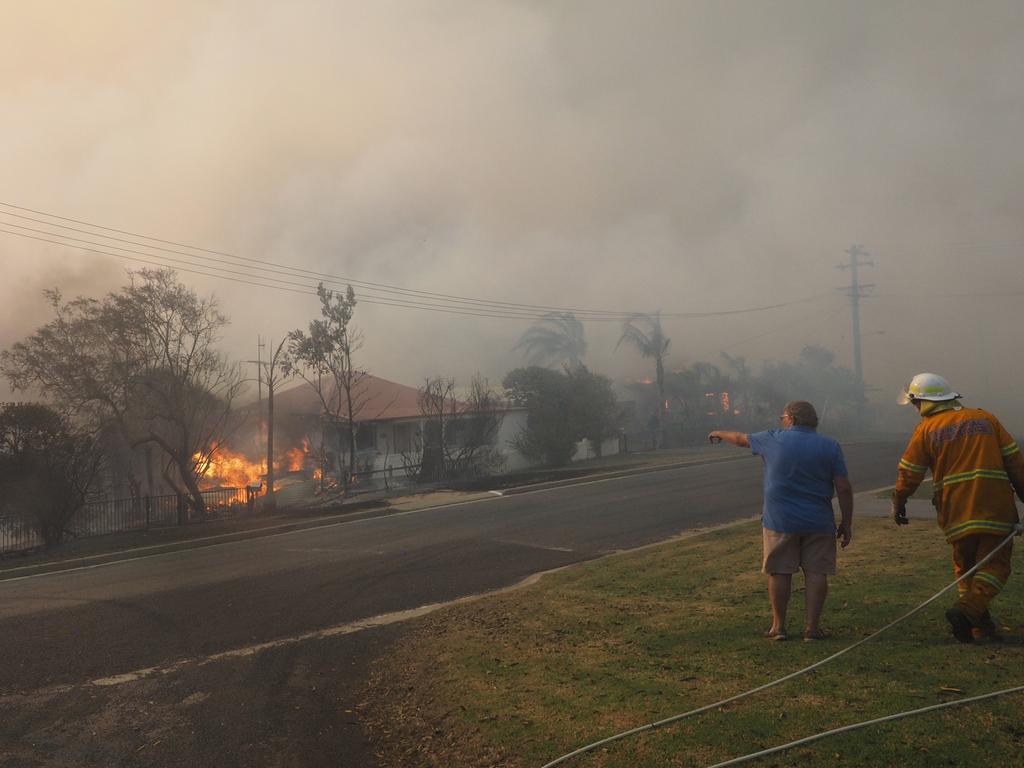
[(296, 703)]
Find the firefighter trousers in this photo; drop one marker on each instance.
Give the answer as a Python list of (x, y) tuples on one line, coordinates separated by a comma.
[(977, 591)]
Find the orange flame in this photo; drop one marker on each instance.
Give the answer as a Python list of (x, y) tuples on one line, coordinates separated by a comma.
[(233, 469), (229, 468), (295, 458)]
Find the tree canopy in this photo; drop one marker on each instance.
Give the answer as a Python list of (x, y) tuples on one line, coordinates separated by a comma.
[(48, 469), (143, 359), (563, 408), (322, 356), (554, 339)]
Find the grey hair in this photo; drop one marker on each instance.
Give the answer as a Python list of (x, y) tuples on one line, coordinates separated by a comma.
[(802, 413)]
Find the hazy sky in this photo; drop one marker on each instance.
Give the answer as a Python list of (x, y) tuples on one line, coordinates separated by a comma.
[(679, 156)]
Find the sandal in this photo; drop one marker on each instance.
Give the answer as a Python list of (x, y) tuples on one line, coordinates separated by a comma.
[(776, 635)]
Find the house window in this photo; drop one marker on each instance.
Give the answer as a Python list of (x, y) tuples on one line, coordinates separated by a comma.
[(366, 437), (455, 433), (403, 438)]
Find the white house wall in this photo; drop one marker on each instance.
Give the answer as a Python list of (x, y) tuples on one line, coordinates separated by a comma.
[(585, 449), (511, 424)]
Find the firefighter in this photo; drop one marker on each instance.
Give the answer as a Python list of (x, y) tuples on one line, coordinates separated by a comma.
[(976, 468)]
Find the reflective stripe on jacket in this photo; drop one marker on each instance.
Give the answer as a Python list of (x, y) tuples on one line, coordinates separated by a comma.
[(968, 452)]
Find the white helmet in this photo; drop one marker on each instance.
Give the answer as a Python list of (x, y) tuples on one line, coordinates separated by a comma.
[(928, 386)]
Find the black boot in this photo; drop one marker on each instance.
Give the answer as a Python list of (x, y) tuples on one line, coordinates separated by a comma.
[(960, 624), (986, 629)]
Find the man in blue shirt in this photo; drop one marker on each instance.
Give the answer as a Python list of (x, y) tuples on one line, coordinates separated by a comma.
[(801, 471)]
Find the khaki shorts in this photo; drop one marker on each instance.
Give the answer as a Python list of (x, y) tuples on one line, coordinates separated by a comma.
[(790, 552)]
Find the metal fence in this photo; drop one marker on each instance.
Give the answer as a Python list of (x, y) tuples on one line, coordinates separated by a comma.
[(385, 479), (16, 535), (118, 515), (638, 442)]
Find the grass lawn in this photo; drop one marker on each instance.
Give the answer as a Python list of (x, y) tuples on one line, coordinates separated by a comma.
[(522, 678)]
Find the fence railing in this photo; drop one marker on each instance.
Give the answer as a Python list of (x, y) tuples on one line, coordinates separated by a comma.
[(637, 442), (119, 515), (16, 535), (385, 479)]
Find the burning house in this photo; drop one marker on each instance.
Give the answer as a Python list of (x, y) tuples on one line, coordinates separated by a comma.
[(392, 432)]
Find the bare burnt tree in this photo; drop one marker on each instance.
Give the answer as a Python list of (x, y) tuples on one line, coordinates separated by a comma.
[(143, 361), (458, 438), (322, 356)]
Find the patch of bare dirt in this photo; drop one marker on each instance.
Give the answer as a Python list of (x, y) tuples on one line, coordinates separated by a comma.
[(412, 721)]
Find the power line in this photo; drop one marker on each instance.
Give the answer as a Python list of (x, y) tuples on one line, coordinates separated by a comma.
[(241, 278), (300, 272), (379, 293), (284, 270), (310, 290), (499, 308), (825, 313), (276, 268), (948, 294)]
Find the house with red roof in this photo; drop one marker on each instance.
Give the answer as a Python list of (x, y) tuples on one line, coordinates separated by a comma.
[(389, 424)]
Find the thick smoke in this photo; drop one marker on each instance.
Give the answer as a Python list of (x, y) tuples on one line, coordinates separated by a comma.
[(678, 156)]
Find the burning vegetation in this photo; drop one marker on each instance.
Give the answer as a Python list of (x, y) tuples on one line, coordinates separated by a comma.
[(227, 468)]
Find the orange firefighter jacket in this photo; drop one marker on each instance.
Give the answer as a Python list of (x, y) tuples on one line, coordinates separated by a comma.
[(975, 465)]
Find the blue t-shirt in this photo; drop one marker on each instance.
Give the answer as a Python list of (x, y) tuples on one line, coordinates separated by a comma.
[(800, 467)]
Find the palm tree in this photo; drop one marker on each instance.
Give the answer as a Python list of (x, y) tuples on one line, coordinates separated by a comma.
[(644, 333), (556, 338)]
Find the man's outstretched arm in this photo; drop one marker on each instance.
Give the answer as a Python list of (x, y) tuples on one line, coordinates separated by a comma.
[(736, 438)]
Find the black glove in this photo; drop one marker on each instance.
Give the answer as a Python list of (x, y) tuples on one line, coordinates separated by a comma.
[(899, 511)]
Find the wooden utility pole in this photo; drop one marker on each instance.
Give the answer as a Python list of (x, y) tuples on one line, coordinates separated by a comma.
[(269, 369), (858, 257)]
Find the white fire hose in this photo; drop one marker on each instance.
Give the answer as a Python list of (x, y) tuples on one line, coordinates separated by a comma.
[(675, 718)]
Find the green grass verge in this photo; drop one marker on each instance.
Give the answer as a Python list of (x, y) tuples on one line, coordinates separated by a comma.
[(522, 678)]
